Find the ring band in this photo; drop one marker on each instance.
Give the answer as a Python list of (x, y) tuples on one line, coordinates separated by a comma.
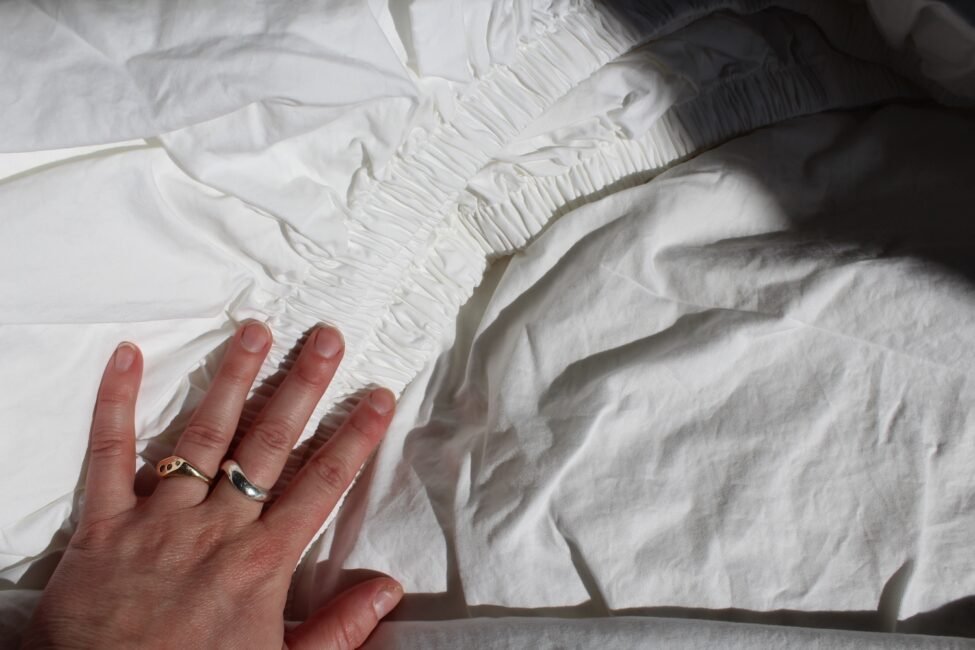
[(179, 466), (239, 480)]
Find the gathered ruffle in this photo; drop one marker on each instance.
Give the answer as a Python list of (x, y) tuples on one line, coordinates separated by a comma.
[(732, 109), (408, 264), (417, 247)]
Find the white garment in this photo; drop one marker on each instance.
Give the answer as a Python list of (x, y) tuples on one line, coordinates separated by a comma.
[(341, 161)]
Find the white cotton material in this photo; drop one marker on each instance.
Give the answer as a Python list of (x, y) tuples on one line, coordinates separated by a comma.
[(939, 33), (352, 163), (141, 70), (636, 633), (745, 384)]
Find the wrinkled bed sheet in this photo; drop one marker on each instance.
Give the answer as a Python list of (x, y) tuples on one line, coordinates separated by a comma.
[(738, 383), (745, 384)]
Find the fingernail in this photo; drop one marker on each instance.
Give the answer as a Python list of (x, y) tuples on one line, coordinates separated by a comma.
[(124, 356), (254, 337), (328, 342), (382, 401), (386, 600)]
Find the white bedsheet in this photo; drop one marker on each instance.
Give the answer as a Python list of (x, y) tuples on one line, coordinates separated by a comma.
[(360, 163), (746, 384), (632, 633)]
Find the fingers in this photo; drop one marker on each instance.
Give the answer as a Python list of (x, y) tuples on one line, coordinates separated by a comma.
[(313, 493), (347, 621), (205, 440), (111, 445), (263, 452)]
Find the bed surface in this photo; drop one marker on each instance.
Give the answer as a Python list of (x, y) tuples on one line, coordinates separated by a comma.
[(678, 297)]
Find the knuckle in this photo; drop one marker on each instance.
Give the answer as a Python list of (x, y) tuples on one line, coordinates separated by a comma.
[(208, 540), (367, 424), (115, 396), (310, 374), (238, 372), (331, 473), (92, 535), (265, 553), (349, 633), (274, 435), (207, 435), (109, 443)]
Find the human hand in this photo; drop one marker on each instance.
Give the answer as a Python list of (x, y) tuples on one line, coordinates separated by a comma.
[(191, 567)]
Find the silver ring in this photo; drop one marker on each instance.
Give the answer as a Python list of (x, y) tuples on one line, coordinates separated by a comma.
[(239, 480)]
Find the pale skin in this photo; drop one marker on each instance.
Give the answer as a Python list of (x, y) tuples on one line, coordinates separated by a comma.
[(194, 567)]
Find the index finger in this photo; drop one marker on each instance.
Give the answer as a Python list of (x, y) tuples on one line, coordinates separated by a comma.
[(109, 485)]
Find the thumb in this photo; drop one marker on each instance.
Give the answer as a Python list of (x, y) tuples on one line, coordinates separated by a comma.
[(347, 621)]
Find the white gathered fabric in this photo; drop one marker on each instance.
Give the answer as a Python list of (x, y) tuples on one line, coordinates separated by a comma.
[(339, 161), (744, 384)]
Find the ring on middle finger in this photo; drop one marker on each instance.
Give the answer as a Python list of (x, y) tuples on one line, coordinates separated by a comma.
[(240, 481)]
